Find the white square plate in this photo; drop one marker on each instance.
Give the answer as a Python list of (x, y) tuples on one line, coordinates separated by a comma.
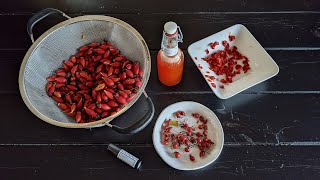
[(262, 65)]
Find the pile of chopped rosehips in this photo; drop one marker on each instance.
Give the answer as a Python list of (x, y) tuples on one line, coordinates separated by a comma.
[(189, 137), (95, 83), (228, 62)]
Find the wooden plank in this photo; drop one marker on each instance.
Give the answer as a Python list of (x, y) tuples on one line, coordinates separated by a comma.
[(292, 29), (166, 6), (11, 60), (93, 162), (247, 119), (293, 67)]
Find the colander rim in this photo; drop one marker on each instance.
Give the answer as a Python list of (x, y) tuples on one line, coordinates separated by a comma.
[(101, 122)]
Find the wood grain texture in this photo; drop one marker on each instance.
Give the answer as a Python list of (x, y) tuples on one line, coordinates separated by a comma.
[(271, 130), (293, 66), (95, 162), (271, 30), (165, 6), (247, 119)]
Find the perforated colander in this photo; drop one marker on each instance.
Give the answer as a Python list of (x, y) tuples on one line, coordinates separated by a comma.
[(60, 42)]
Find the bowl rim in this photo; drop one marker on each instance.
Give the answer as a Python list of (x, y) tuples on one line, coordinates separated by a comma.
[(207, 109)]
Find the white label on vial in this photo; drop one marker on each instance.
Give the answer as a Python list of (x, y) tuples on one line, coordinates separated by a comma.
[(127, 158)]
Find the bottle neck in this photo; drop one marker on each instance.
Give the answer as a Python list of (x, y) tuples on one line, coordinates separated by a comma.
[(169, 44)]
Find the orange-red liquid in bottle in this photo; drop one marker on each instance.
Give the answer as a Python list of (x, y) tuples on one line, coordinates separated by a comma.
[(170, 58)]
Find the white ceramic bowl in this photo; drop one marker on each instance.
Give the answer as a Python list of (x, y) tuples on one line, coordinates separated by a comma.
[(262, 65), (215, 133)]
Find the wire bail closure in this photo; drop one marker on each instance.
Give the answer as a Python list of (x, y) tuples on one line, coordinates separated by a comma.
[(180, 35)]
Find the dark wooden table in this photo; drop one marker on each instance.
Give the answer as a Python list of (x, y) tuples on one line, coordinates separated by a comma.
[(271, 130)]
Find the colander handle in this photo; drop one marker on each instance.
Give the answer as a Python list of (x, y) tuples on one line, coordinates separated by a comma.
[(140, 124), (39, 16)]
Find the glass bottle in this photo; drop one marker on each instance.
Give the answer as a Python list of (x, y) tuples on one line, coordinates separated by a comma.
[(170, 58)]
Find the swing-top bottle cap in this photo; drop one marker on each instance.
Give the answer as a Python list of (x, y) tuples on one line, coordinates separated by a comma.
[(170, 27)]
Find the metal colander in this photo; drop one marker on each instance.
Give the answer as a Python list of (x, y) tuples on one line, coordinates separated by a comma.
[(60, 42)]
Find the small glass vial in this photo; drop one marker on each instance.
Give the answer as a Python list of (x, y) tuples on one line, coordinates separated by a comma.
[(125, 156), (170, 58)]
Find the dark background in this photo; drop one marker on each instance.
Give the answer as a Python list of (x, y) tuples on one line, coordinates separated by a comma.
[(271, 130)]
